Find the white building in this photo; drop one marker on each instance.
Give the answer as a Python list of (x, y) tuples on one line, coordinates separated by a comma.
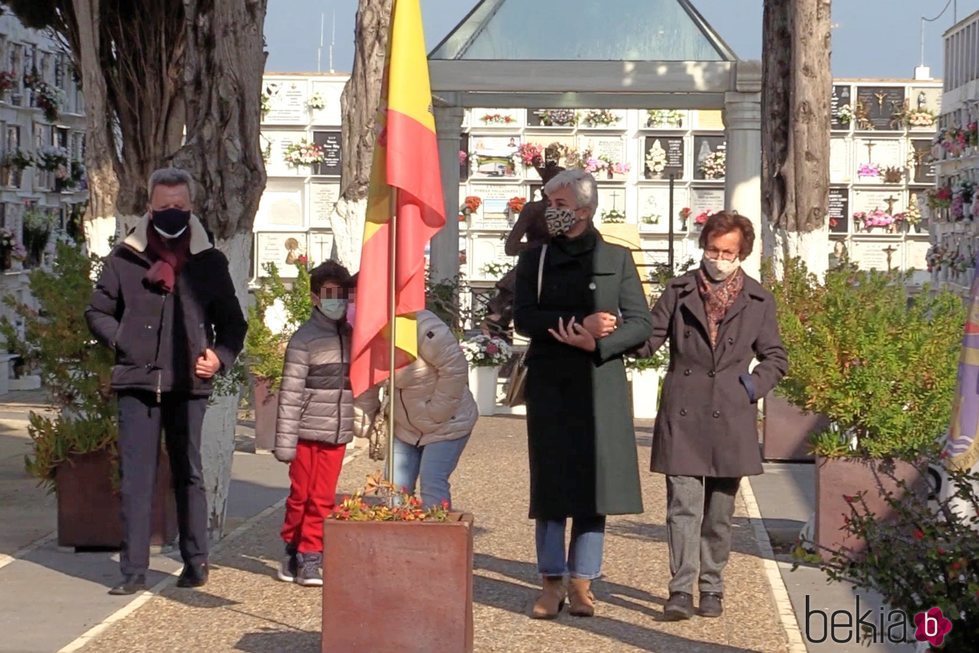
[(42, 142)]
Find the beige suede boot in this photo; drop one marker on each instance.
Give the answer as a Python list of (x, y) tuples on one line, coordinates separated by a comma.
[(548, 604), (581, 602)]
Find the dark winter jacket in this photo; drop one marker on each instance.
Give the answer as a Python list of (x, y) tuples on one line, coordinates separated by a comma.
[(581, 439), (315, 400), (157, 337), (707, 421)]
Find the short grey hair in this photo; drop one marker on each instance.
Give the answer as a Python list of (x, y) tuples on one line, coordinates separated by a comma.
[(170, 177), (582, 183)]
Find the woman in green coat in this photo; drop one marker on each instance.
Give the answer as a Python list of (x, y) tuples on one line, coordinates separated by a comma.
[(580, 301)]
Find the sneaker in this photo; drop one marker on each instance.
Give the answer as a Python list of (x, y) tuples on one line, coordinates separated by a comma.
[(679, 606), (310, 569), (289, 565)]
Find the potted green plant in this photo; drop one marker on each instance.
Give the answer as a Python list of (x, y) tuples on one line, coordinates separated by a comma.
[(74, 446), (878, 363), (278, 310), (365, 544)]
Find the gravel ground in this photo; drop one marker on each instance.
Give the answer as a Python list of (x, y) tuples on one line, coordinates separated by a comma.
[(243, 608)]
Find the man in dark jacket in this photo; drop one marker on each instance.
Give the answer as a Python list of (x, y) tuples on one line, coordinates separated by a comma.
[(166, 304)]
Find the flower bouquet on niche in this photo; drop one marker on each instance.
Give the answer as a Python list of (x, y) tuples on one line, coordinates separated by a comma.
[(486, 351), (599, 118), (303, 153), (613, 216), (556, 117), (655, 160), (713, 165), (469, 206)]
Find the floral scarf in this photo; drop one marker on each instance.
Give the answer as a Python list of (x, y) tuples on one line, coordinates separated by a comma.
[(718, 298)]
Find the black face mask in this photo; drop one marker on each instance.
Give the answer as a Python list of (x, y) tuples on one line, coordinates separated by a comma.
[(171, 221)]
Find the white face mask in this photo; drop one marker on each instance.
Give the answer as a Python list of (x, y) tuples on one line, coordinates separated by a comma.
[(719, 269), (333, 308)]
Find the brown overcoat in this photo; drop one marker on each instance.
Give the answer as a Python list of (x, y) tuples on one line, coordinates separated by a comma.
[(707, 420)]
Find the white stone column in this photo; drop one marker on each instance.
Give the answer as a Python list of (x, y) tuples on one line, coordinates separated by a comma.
[(445, 246), (742, 177)]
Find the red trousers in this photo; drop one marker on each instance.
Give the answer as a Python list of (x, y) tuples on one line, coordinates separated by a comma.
[(312, 496)]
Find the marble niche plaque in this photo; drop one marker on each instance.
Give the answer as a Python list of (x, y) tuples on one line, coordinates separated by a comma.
[(840, 168), (287, 102), (872, 254), (322, 198), (280, 248), (280, 207), (492, 212)]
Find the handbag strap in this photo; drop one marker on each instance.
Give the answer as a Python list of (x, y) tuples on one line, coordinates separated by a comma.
[(540, 270)]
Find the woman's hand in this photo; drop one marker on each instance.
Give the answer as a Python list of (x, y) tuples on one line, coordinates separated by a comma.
[(574, 334), (600, 324)]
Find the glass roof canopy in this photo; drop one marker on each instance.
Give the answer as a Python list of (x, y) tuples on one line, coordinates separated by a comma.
[(610, 53), (583, 30)]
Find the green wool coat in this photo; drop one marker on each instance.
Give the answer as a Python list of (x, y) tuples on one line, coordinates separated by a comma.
[(580, 433)]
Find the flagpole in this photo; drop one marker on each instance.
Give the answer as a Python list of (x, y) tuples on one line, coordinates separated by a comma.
[(392, 308)]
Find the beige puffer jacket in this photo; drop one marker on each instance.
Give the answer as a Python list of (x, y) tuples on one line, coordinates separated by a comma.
[(315, 400), (432, 401)]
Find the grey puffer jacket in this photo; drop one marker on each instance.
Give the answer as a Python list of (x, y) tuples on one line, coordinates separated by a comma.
[(315, 400), (433, 402)]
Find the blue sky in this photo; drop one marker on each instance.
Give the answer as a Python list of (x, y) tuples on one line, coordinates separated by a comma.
[(872, 38)]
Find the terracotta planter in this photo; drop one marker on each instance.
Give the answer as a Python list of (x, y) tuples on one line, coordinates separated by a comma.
[(398, 586), (839, 477), (787, 431), (266, 411), (89, 508)]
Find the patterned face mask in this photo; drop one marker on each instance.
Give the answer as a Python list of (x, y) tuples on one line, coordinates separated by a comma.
[(559, 220)]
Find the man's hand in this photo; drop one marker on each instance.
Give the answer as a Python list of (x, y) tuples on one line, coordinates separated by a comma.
[(574, 334), (600, 325), (207, 365)]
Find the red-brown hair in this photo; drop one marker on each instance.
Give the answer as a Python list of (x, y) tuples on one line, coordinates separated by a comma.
[(722, 223)]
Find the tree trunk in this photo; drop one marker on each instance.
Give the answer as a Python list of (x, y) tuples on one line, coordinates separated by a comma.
[(360, 104), (795, 129)]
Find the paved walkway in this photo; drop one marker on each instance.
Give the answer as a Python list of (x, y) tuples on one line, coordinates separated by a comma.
[(243, 608)]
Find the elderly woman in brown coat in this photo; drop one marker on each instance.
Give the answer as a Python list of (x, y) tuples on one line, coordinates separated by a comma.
[(717, 320)]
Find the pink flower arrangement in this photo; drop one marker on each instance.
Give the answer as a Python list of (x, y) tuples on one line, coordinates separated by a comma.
[(868, 170), (702, 217), (528, 152)]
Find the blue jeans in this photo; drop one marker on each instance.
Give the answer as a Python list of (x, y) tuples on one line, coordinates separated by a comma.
[(434, 462), (584, 559)]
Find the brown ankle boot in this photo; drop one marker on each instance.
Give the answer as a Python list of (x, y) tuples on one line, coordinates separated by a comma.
[(548, 604), (581, 602)]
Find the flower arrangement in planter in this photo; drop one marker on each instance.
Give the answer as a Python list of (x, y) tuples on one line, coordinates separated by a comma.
[(497, 119), (303, 153), (868, 170), (605, 162), (46, 97), (557, 117), (919, 118), (962, 194), (613, 216), (684, 215), (655, 159), (496, 270), (51, 158), (17, 159), (939, 198), (701, 218), (650, 219), (599, 118), (529, 152), (566, 156), (469, 206), (8, 80), (892, 174), (404, 507), (871, 220), (315, 102), (515, 205), (664, 118), (713, 165), (36, 230), (845, 114), (486, 351)]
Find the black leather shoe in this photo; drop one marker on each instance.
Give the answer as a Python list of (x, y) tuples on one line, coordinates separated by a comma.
[(193, 575), (710, 604), (131, 584), (679, 606)]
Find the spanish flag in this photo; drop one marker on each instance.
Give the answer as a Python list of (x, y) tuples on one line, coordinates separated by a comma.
[(405, 178)]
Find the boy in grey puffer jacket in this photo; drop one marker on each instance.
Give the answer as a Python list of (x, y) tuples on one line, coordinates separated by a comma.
[(317, 417)]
